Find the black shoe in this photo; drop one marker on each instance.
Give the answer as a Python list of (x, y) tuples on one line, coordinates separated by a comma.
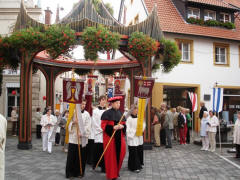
[(168, 147)]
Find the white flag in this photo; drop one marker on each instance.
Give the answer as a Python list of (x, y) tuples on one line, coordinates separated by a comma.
[(217, 99)]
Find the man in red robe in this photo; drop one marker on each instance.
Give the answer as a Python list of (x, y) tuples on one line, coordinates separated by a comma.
[(116, 150)]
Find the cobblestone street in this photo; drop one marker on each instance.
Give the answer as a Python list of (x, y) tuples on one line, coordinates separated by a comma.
[(181, 162)]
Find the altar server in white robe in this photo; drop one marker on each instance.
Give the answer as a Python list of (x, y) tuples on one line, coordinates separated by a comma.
[(79, 132), (47, 122), (98, 132), (3, 131), (135, 143)]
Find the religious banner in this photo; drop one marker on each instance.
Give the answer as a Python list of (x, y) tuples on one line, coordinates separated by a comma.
[(91, 81), (73, 91), (119, 85), (142, 90), (143, 87)]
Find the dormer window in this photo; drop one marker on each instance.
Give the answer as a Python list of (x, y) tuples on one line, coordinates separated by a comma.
[(209, 15), (225, 17), (193, 13)]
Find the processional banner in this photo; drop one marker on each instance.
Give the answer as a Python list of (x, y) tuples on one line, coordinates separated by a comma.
[(142, 90), (73, 91)]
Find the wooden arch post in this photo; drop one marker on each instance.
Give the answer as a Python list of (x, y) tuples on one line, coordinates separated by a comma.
[(25, 113)]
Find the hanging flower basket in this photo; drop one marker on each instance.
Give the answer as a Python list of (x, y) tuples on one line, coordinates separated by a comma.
[(171, 56), (98, 39), (141, 46), (59, 40)]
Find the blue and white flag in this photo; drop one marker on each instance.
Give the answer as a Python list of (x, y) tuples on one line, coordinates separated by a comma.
[(217, 99)]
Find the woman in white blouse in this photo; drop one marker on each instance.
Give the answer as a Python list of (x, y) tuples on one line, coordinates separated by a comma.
[(47, 122), (212, 129), (135, 143)]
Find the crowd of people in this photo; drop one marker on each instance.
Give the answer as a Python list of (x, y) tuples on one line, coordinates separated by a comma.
[(168, 122), (99, 140)]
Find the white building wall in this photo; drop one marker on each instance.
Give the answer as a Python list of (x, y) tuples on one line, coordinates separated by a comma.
[(9, 10), (203, 71)]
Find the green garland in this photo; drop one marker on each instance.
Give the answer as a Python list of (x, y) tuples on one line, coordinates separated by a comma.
[(56, 40), (171, 55), (228, 25), (98, 39), (59, 40), (141, 46)]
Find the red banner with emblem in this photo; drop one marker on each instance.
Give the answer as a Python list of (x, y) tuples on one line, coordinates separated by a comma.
[(73, 91), (143, 87)]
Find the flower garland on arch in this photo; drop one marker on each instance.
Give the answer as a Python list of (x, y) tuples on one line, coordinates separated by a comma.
[(142, 46), (98, 39), (56, 40)]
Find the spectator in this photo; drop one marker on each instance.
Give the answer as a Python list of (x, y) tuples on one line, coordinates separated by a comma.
[(162, 119), (3, 131), (38, 116), (62, 124), (14, 118), (203, 108), (157, 127), (57, 136), (182, 125), (175, 112), (168, 125), (203, 131), (212, 129), (236, 135), (189, 125)]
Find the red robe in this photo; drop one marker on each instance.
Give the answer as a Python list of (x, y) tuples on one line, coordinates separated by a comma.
[(112, 165)]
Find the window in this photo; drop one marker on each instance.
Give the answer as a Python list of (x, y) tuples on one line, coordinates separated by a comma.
[(193, 12), (225, 17), (209, 15), (186, 49), (12, 100), (221, 54)]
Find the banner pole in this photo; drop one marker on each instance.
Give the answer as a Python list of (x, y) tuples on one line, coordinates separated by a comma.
[(192, 125), (219, 134)]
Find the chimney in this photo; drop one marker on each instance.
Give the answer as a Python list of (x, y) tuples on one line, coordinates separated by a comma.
[(57, 15), (48, 15)]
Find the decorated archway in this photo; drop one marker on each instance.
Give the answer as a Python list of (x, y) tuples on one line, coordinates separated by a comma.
[(81, 17)]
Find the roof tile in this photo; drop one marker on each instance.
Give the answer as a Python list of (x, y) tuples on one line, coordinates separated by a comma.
[(171, 21)]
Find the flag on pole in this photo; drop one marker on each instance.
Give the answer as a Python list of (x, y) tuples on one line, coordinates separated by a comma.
[(193, 98), (217, 99)]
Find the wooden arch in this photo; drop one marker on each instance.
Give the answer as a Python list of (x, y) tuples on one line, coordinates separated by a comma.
[(82, 16)]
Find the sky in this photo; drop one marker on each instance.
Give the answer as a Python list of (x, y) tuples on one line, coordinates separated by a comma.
[(68, 4)]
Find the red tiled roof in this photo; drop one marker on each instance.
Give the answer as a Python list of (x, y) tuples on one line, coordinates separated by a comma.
[(219, 3), (171, 21), (233, 2)]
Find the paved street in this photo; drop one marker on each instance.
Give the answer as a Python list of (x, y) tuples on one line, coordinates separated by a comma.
[(181, 162)]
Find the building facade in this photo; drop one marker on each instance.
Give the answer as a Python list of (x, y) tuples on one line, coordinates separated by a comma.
[(208, 36), (11, 79)]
